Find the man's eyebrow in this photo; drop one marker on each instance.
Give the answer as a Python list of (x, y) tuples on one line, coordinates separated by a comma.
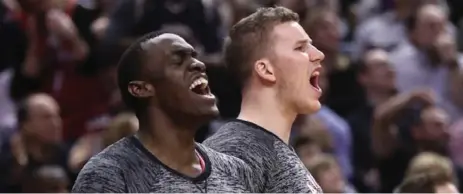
[(304, 41), (184, 51)]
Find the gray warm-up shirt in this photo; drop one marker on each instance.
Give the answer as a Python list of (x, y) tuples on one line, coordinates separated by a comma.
[(275, 164), (128, 167)]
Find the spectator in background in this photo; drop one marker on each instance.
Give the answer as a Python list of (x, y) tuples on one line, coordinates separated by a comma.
[(339, 131), (456, 130), (431, 163), (385, 31), (327, 173), (453, 96), (37, 142), (395, 141), (435, 182), (57, 42), (377, 77), (422, 61), (134, 18), (323, 26), (46, 179), (428, 162)]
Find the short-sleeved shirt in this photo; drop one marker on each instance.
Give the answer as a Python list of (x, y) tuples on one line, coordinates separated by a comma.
[(128, 167), (275, 164)]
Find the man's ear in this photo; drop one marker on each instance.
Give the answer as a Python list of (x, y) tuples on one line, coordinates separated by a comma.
[(141, 89), (265, 70)]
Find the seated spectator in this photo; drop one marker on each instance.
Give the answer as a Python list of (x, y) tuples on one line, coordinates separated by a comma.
[(51, 44), (428, 162), (46, 179), (388, 30), (429, 182), (427, 56), (339, 131), (36, 143), (327, 173), (385, 31), (404, 126), (377, 77)]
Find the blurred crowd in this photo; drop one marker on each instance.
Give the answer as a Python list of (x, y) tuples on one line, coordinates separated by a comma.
[(392, 85)]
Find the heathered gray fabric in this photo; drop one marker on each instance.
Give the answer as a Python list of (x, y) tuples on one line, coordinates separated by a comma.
[(128, 167), (276, 166)]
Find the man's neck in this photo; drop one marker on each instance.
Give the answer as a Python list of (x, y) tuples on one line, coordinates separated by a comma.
[(171, 143), (267, 113)]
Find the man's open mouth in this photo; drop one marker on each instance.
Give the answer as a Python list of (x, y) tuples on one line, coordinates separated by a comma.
[(314, 80), (201, 87)]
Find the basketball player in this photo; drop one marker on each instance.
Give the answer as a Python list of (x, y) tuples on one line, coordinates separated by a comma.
[(166, 86), (278, 68)]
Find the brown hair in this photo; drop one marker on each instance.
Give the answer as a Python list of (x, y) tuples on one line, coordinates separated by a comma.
[(121, 126), (428, 161), (250, 37), (321, 163), (424, 182), (314, 128)]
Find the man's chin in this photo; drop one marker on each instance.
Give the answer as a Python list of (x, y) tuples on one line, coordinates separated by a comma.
[(208, 115)]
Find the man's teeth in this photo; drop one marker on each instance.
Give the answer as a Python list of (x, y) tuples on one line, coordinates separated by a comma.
[(315, 74), (200, 81)]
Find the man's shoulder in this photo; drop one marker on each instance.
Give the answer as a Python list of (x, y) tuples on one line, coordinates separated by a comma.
[(224, 161), (239, 138), (114, 155), (104, 172), (289, 174), (239, 132)]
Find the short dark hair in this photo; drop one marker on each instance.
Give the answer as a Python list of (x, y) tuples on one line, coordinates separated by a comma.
[(130, 67), (424, 182), (250, 37)]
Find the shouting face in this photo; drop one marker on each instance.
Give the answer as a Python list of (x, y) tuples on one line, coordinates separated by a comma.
[(297, 68), (175, 80)]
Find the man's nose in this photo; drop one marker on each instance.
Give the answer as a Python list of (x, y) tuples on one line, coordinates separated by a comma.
[(197, 66), (315, 54)]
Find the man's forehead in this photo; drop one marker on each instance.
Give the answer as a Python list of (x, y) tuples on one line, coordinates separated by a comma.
[(291, 32)]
